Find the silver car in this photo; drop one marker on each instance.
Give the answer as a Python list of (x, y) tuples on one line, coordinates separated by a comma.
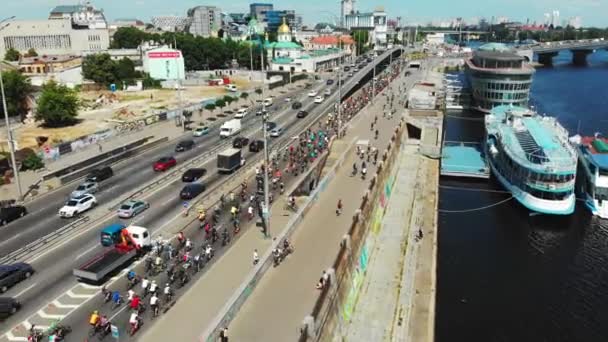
[(85, 188), (276, 132), (131, 208)]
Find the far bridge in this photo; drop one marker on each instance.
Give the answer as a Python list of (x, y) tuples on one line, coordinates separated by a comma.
[(546, 51)]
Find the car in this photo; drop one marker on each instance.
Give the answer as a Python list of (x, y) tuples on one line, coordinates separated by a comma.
[(346, 68), (77, 205), (85, 188), (184, 145), (164, 163), (194, 174), (276, 132), (8, 307), (13, 274), (261, 111), (267, 102), (355, 69), (241, 113), (312, 93), (327, 92), (350, 74), (200, 131), (256, 146), (296, 105), (240, 142), (302, 114), (288, 99), (9, 214), (318, 99), (100, 174), (270, 125), (131, 208), (191, 190), (329, 82)]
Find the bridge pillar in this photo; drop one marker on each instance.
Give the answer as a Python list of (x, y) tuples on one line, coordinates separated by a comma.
[(579, 56), (546, 58)]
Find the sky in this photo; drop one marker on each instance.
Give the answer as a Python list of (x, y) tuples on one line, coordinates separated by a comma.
[(592, 12)]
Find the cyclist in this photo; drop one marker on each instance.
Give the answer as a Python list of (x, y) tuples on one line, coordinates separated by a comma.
[(154, 304), (153, 287), (116, 299), (94, 319), (134, 321), (144, 284), (168, 292), (131, 275), (135, 302)]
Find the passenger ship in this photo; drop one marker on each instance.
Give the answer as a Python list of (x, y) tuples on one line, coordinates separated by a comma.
[(531, 156), (592, 183)]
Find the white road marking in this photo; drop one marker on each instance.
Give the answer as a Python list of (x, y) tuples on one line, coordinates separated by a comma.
[(25, 290), (118, 312), (85, 252), (87, 286), (9, 336), (64, 306), (75, 295), (168, 201), (139, 218), (44, 315)]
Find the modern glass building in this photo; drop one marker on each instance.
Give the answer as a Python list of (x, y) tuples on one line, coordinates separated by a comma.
[(498, 76)]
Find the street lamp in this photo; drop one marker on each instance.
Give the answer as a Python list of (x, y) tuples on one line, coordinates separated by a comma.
[(266, 208), (10, 140)]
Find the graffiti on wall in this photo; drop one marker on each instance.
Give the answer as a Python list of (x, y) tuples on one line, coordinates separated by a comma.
[(357, 280)]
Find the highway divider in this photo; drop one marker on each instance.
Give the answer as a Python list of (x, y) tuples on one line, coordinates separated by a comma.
[(327, 313)]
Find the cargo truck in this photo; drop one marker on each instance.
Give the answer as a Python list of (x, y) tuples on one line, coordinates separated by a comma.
[(132, 242), (229, 160), (230, 128)]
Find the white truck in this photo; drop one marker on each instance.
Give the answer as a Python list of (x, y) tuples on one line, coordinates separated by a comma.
[(230, 128)]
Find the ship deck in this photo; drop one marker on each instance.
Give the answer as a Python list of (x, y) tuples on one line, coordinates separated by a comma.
[(464, 159)]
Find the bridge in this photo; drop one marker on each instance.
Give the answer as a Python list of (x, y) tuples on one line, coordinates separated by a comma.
[(454, 31), (546, 51)]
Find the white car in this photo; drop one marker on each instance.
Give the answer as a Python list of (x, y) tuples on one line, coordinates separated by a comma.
[(318, 99), (327, 92), (312, 94), (77, 205), (241, 113), (288, 99), (276, 132)]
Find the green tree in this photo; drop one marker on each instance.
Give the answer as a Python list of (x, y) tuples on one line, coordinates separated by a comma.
[(125, 70), (31, 53), (149, 83), (244, 95), (220, 103), (361, 38), (32, 162), (99, 68), (57, 106), (128, 38), (258, 91), (228, 99), (210, 107), (17, 89), (12, 55)]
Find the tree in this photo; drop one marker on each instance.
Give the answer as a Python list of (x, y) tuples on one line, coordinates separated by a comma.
[(150, 83), (228, 99), (17, 89), (99, 68), (220, 103), (258, 91), (244, 95), (12, 55), (128, 38), (361, 38), (31, 53), (210, 107), (124, 70), (57, 106), (32, 162)]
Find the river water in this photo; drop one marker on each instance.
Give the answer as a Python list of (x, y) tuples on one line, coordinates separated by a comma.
[(506, 275)]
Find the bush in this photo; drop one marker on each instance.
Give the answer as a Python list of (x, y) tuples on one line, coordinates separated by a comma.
[(32, 162)]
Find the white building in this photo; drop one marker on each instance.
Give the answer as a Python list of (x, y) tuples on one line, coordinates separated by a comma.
[(348, 7), (82, 16), (555, 18), (170, 23), (435, 38), (374, 21), (163, 63), (204, 21), (575, 22), (52, 37)]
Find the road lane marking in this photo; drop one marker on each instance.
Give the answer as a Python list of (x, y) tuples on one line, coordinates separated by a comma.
[(25, 290), (59, 305), (85, 252), (126, 306), (76, 295), (44, 315), (168, 201), (10, 239), (87, 286), (9, 336)]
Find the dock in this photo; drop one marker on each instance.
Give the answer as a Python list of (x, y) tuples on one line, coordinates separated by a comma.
[(464, 159)]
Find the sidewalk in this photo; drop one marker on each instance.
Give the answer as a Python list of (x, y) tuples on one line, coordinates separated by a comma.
[(287, 294)]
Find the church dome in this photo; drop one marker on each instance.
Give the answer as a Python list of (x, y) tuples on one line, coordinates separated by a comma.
[(284, 28)]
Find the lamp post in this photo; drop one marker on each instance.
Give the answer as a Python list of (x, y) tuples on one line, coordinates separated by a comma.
[(266, 208), (10, 140), (339, 111)]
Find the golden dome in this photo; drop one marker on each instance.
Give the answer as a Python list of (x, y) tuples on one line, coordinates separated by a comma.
[(283, 28)]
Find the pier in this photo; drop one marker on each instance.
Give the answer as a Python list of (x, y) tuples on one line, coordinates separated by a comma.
[(464, 159)]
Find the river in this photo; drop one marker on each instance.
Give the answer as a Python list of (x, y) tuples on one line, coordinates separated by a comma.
[(506, 275)]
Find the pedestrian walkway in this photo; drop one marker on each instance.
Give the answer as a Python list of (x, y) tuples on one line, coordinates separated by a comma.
[(285, 295), (375, 310)]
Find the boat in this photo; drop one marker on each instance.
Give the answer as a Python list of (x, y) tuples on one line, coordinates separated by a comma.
[(531, 156), (592, 183)]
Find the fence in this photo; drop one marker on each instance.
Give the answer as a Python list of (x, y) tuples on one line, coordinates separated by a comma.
[(336, 299)]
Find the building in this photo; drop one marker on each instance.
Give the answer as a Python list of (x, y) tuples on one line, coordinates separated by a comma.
[(204, 21), (575, 22), (48, 64), (284, 46), (52, 37), (273, 19), (170, 23), (375, 22), (127, 22), (136, 55), (331, 42), (163, 63), (498, 76), (84, 16), (258, 10), (238, 18), (347, 7), (555, 18), (435, 38)]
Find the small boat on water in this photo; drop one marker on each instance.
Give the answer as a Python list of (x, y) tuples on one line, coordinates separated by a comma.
[(530, 155), (592, 183)]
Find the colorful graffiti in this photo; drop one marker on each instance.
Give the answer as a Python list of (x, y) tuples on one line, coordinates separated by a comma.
[(353, 293)]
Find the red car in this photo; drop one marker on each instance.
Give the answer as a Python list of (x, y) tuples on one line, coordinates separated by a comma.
[(164, 164)]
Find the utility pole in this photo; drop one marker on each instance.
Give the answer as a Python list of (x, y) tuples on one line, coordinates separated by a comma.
[(374, 84), (9, 138), (339, 111), (178, 83), (266, 208)]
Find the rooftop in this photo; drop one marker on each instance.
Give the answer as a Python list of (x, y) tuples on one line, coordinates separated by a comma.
[(47, 59), (497, 47), (596, 149), (67, 9), (332, 40)]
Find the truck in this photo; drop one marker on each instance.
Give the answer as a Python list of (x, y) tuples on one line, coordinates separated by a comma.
[(132, 242), (230, 128), (229, 160)]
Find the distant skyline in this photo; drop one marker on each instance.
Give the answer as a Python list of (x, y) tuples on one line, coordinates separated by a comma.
[(592, 12)]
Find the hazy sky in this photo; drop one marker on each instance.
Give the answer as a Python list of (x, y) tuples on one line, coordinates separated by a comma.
[(592, 12)]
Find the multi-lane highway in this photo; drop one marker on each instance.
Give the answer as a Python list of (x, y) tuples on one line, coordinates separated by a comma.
[(53, 293)]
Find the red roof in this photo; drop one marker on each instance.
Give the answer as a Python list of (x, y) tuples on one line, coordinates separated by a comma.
[(332, 40)]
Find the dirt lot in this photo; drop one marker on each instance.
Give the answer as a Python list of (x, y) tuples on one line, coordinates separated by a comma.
[(120, 106)]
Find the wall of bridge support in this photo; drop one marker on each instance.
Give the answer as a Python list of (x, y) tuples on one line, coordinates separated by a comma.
[(546, 58), (579, 56)]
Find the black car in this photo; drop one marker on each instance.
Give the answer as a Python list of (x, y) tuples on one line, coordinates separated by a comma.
[(240, 142), (296, 105), (346, 68), (8, 214), (330, 82), (191, 190), (184, 145), (270, 125), (8, 306), (302, 114), (13, 274), (192, 175), (100, 174), (256, 146)]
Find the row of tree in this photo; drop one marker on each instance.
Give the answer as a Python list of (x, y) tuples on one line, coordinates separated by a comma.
[(102, 69), (13, 55)]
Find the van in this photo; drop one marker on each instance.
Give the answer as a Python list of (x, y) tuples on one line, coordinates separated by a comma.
[(8, 307), (110, 235), (241, 113), (268, 102), (191, 190), (231, 87), (140, 236), (184, 145), (230, 128)]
